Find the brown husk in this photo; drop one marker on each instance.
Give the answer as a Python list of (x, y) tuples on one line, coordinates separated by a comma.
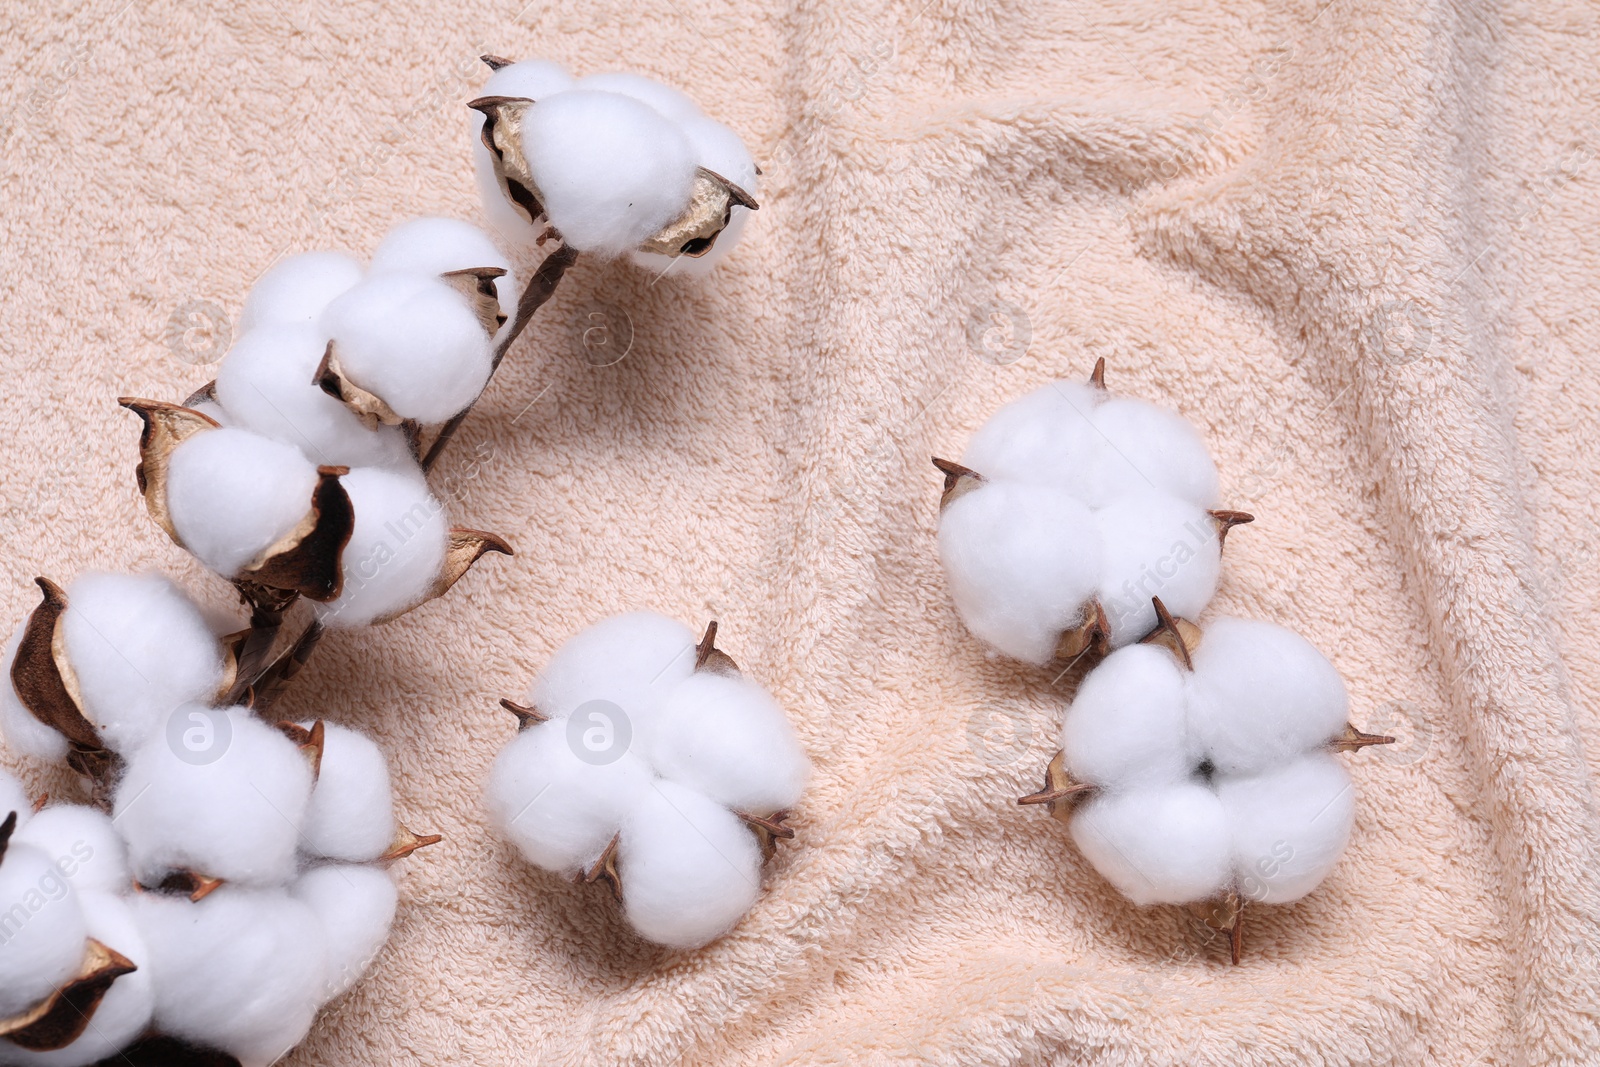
[(406, 842), (66, 1014), (477, 285), (694, 233), (466, 548), (371, 409)]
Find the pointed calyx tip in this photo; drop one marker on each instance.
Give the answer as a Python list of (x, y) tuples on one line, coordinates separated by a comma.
[(1178, 636), (1353, 740), (1060, 790), (1097, 377), (958, 480), (7, 828), (1225, 520), (605, 869), (527, 715), (495, 62)]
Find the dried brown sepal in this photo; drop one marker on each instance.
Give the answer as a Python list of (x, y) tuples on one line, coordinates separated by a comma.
[(206, 393), (1353, 740), (275, 677), (605, 868), (166, 426), (1225, 913), (958, 481), (769, 830), (1061, 791), (406, 842), (184, 883), (371, 409), (311, 742), (1097, 377), (42, 675), (695, 232), (527, 715), (495, 62), (711, 659), (1178, 636), (477, 285), (67, 1013), (1225, 520), (38, 806), (466, 547), (306, 560), (7, 828), (101, 768), (160, 1051), (1092, 636), (502, 136)]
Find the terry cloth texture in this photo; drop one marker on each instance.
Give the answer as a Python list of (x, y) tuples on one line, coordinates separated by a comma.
[(1352, 240)]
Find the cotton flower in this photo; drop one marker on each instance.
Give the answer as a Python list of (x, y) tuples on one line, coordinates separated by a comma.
[(1069, 512), (297, 289), (350, 816), (1198, 767), (649, 760), (614, 163)]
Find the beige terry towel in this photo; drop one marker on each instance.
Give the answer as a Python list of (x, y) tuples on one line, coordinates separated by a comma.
[(1353, 240)]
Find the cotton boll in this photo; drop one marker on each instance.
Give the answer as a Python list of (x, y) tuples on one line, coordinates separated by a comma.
[(690, 868), (1125, 727), (297, 289), (1288, 826), (1149, 447), (23, 732), (355, 907), (1022, 561), (243, 970), (124, 1013), (395, 550), (1155, 546), (222, 794), (1159, 844), (84, 846), (266, 385), (14, 798), (42, 929), (1045, 437), (559, 803), (232, 494), (139, 648), (1261, 694), (612, 170), (439, 246), (719, 150), (528, 79), (728, 738), (351, 816), (670, 103), (633, 661), (413, 341), (532, 79)]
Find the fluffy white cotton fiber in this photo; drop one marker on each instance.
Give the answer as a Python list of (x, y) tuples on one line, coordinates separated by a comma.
[(124, 1013), (559, 803), (727, 738), (1022, 562), (351, 814), (1126, 725), (721, 151), (1288, 826), (139, 648), (1249, 727), (690, 869), (1140, 472), (14, 798), (612, 170), (265, 383), (434, 246), (632, 660), (413, 341), (84, 845), (532, 79), (355, 907), (1154, 545), (242, 970), (1262, 694), (225, 796), (42, 929), (396, 546), (23, 732), (1162, 844), (640, 741), (297, 289), (670, 103), (232, 494)]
